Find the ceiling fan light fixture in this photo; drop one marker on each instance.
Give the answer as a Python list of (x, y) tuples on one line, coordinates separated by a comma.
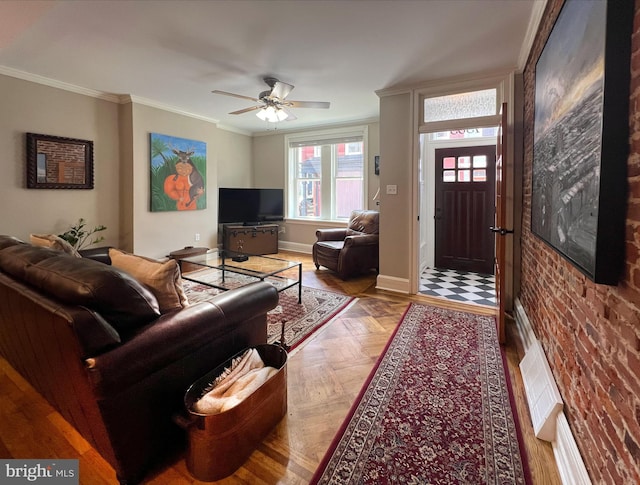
[(272, 114), (271, 104)]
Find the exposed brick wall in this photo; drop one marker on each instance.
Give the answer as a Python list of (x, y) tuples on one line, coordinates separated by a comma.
[(591, 333)]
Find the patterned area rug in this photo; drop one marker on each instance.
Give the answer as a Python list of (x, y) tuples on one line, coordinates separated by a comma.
[(318, 307), (436, 409)]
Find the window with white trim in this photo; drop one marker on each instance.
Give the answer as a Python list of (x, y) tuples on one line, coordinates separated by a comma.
[(326, 174)]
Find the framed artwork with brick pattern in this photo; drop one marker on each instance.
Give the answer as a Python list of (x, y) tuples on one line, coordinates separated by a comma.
[(581, 136), (55, 162)]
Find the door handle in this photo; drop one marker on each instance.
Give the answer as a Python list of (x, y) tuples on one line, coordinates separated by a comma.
[(501, 230)]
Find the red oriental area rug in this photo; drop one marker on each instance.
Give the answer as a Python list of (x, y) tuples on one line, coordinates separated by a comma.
[(436, 409), (302, 320)]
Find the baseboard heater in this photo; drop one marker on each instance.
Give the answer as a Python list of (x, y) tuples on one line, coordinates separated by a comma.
[(542, 392)]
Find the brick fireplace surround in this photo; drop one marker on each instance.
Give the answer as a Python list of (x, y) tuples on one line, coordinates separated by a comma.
[(590, 333)]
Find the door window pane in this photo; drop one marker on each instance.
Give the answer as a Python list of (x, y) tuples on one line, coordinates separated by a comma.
[(449, 176), (464, 162), (449, 162), (479, 161), (464, 176), (480, 175)]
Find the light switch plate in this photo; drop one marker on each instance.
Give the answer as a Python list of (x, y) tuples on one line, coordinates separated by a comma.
[(392, 189)]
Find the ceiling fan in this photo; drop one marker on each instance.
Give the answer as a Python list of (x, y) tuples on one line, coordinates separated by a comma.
[(273, 105)]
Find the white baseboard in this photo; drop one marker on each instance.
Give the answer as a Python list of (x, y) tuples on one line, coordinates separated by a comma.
[(568, 459), (295, 247), (570, 465), (527, 335), (392, 283)]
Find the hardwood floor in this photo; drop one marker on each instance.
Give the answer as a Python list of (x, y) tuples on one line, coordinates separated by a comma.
[(324, 378)]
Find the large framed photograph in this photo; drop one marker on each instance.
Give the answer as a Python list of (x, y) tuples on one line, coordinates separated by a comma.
[(581, 136), (55, 162)]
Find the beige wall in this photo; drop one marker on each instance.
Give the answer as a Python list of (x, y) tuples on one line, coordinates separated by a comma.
[(234, 160), (30, 107), (156, 234), (396, 129), (120, 199)]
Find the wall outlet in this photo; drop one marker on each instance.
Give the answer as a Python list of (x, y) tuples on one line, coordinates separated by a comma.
[(283, 229), (392, 189), (197, 236)]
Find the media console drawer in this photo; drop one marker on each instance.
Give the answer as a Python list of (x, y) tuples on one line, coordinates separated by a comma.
[(257, 240)]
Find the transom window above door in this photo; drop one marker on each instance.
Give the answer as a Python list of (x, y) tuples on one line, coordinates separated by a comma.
[(459, 106)]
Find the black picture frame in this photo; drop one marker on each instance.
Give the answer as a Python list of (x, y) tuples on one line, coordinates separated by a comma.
[(376, 164), (581, 137), (55, 162)]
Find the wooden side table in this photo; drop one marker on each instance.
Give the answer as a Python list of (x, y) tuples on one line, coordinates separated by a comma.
[(187, 252)]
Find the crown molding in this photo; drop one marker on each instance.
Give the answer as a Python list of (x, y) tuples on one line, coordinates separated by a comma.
[(302, 129), (539, 7), (113, 98), (130, 98), (447, 84), (233, 129), (26, 76)]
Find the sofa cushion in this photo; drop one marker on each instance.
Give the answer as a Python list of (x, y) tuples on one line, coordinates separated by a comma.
[(162, 278), (7, 241), (16, 259), (54, 242), (114, 294)]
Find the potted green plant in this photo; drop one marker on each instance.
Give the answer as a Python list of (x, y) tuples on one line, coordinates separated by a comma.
[(80, 237)]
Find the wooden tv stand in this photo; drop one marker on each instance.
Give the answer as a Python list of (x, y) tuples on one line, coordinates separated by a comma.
[(259, 239)]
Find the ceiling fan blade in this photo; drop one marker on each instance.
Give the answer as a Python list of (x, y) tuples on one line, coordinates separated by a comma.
[(308, 104), (225, 93), (290, 115), (281, 90), (246, 110)]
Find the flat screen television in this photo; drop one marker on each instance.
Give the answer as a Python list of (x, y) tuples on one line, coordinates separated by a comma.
[(250, 206)]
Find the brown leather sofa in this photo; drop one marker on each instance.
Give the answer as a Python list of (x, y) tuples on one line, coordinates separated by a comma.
[(352, 250), (91, 340)]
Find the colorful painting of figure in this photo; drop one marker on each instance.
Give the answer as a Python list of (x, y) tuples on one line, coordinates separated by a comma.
[(178, 173)]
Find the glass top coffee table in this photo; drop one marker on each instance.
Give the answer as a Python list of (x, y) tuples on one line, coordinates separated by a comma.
[(226, 270)]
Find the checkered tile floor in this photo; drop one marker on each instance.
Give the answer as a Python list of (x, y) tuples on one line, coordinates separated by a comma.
[(459, 286)]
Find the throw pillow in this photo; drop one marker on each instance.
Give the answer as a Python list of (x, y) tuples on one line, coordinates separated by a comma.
[(162, 278), (54, 242)]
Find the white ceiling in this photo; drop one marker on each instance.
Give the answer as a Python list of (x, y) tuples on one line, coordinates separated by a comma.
[(174, 53)]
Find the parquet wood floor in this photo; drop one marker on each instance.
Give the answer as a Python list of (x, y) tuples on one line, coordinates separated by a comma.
[(324, 378)]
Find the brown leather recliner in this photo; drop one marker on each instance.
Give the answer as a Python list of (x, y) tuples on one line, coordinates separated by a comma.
[(350, 251)]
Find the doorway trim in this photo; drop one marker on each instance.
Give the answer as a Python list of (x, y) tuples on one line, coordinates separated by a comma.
[(429, 167), (505, 92)]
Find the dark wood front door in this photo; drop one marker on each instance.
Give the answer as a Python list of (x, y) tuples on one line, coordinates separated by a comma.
[(465, 179)]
